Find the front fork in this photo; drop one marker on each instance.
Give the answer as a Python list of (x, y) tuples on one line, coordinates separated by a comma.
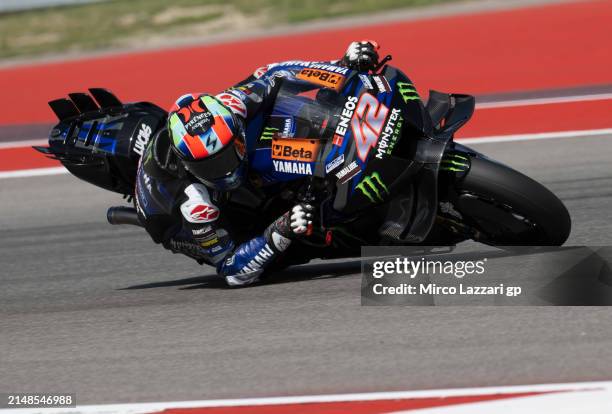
[(454, 166)]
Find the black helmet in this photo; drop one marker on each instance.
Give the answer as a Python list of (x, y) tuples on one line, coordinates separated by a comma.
[(209, 140)]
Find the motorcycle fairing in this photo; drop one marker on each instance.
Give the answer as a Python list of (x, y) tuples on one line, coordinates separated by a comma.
[(385, 170), (299, 112), (297, 65), (448, 112), (375, 173), (102, 146)]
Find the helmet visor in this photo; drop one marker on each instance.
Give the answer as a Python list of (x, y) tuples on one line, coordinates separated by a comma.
[(220, 165)]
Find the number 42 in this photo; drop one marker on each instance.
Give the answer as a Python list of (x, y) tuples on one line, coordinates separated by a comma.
[(367, 124)]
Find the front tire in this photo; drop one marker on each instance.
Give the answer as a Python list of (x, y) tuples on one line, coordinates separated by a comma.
[(505, 207)]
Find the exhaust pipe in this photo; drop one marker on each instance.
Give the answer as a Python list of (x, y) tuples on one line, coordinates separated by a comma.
[(123, 215)]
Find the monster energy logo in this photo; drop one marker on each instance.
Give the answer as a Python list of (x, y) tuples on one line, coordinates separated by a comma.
[(372, 187), (268, 133), (455, 163), (408, 92)]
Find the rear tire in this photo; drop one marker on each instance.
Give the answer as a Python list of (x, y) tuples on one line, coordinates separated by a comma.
[(506, 207)]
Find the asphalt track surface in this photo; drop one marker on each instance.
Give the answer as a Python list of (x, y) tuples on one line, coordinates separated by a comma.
[(99, 310)]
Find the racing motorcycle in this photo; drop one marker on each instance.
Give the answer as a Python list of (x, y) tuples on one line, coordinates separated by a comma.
[(381, 167)]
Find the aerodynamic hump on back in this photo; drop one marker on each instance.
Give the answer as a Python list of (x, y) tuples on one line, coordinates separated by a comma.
[(99, 139)]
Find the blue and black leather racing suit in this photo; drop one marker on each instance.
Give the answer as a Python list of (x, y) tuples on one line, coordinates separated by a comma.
[(183, 214)]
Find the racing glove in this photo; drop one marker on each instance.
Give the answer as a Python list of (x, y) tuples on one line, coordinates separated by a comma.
[(361, 56), (294, 223)]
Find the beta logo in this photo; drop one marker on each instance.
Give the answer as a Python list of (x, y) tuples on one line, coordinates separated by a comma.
[(323, 78), (204, 213), (289, 152), (142, 139), (301, 150)]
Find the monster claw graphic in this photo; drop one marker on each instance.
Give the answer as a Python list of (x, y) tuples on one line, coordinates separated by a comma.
[(455, 163), (408, 92), (372, 186), (268, 133)]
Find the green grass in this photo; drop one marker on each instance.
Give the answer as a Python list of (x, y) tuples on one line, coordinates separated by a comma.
[(134, 23)]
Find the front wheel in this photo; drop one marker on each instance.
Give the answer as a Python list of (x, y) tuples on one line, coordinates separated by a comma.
[(505, 207)]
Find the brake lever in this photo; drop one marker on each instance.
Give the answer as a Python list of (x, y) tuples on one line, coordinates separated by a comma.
[(382, 63)]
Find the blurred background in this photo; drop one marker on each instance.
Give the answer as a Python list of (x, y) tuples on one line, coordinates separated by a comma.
[(535, 66), (157, 50), (33, 27)]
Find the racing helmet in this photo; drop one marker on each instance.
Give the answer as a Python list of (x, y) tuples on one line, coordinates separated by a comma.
[(209, 140)]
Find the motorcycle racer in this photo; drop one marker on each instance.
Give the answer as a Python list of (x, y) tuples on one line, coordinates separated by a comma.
[(201, 157)]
